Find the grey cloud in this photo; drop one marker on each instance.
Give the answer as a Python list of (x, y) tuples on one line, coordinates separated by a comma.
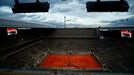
[(12, 23), (6, 2), (127, 22), (37, 18), (60, 10), (54, 24), (107, 21), (81, 26), (131, 2)]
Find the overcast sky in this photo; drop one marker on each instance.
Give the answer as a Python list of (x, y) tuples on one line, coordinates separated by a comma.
[(75, 12)]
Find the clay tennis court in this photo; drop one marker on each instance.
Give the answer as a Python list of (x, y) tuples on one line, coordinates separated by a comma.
[(78, 61)]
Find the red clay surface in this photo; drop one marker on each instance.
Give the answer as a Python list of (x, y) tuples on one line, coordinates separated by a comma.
[(78, 61)]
